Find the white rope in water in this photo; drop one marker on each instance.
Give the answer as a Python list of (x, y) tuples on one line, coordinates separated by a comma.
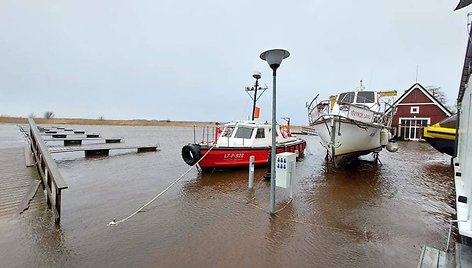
[(114, 222)]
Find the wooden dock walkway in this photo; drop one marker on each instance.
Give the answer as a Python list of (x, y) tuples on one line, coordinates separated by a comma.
[(102, 149), (18, 184), (435, 258)]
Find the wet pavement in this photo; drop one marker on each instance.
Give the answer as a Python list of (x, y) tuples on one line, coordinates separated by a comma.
[(363, 216)]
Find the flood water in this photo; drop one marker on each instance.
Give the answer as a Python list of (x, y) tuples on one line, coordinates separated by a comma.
[(367, 216)]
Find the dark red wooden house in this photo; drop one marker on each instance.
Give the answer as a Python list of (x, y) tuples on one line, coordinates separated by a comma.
[(415, 109)]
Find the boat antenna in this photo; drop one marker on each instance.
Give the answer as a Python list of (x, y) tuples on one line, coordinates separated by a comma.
[(255, 88), (361, 88)]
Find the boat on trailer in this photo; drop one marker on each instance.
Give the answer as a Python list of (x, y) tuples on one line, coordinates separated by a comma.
[(237, 141), (352, 124), (442, 135)]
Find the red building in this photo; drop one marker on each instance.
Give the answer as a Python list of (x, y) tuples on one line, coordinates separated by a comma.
[(415, 109)]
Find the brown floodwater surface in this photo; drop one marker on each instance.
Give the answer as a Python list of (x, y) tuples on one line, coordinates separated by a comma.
[(362, 216)]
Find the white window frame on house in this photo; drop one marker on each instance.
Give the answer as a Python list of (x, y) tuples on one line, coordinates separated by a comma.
[(414, 109), (412, 131)]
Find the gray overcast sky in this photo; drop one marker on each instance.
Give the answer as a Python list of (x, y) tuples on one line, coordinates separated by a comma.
[(190, 60)]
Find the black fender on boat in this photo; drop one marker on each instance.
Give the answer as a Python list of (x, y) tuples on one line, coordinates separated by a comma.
[(191, 154)]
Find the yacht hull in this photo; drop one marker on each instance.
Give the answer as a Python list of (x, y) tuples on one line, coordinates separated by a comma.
[(350, 139)]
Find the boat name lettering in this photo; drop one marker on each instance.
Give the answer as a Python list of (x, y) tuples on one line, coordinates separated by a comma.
[(361, 115), (233, 156)]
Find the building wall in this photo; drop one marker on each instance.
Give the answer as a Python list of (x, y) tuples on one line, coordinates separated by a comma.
[(463, 183), (416, 96), (425, 111)]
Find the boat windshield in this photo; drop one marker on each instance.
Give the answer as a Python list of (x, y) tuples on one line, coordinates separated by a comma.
[(227, 132), (244, 132), (347, 97), (365, 97)]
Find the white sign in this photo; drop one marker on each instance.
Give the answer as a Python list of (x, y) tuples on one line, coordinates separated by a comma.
[(361, 115)]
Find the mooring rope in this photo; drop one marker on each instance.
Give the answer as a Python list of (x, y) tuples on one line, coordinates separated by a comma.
[(114, 222)]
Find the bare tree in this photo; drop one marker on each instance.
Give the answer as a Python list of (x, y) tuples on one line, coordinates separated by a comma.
[(101, 117), (48, 115), (439, 95), (31, 115)]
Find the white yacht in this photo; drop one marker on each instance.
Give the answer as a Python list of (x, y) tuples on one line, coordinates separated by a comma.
[(352, 123)]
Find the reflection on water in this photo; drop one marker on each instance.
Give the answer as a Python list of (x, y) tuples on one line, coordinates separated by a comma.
[(363, 216)]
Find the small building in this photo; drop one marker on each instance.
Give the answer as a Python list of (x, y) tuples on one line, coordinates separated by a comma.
[(414, 110)]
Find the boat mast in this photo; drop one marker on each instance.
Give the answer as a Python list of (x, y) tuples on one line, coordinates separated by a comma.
[(255, 98), (362, 87)]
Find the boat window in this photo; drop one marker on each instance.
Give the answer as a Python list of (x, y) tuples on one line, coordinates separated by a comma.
[(270, 131), (227, 132), (365, 97), (347, 97), (260, 133), (244, 132)]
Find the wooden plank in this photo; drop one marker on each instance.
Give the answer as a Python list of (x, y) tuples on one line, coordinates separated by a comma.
[(98, 152), (463, 256), (71, 137), (112, 140), (96, 147), (29, 161), (15, 181), (53, 169), (429, 258), (72, 142), (147, 149), (24, 205), (420, 261), (443, 261)]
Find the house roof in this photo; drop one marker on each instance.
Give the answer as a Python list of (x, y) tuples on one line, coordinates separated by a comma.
[(425, 92), (466, 69)]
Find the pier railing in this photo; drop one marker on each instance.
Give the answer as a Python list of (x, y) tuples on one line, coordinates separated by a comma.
[(52, 179)]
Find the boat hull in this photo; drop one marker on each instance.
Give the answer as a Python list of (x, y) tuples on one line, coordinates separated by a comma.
[(236, 157), (442, 139), (351, 139), (442, 145)]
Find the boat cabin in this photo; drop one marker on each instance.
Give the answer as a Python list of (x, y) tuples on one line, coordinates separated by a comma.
[(251, 134), (364, 99)]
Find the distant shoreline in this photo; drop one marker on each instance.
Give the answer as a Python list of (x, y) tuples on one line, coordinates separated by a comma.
[(82, 121), (105, 122)]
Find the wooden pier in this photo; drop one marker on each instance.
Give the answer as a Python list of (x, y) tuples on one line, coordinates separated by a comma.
[(435, 258), (18, 184), (73, 142), (78, 141), (102, 149), (51, 178)]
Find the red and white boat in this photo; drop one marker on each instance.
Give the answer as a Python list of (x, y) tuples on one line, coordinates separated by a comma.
[(237, 142)]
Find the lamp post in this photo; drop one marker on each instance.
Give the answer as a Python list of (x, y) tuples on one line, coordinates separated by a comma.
[(274, 58)]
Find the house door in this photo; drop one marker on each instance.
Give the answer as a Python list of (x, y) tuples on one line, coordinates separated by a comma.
[(412, 128)]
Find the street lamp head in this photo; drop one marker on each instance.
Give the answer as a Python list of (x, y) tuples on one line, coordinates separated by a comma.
[(274, 57), (257, 75)]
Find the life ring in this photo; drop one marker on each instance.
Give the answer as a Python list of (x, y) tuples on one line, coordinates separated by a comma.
[(191, 154)]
